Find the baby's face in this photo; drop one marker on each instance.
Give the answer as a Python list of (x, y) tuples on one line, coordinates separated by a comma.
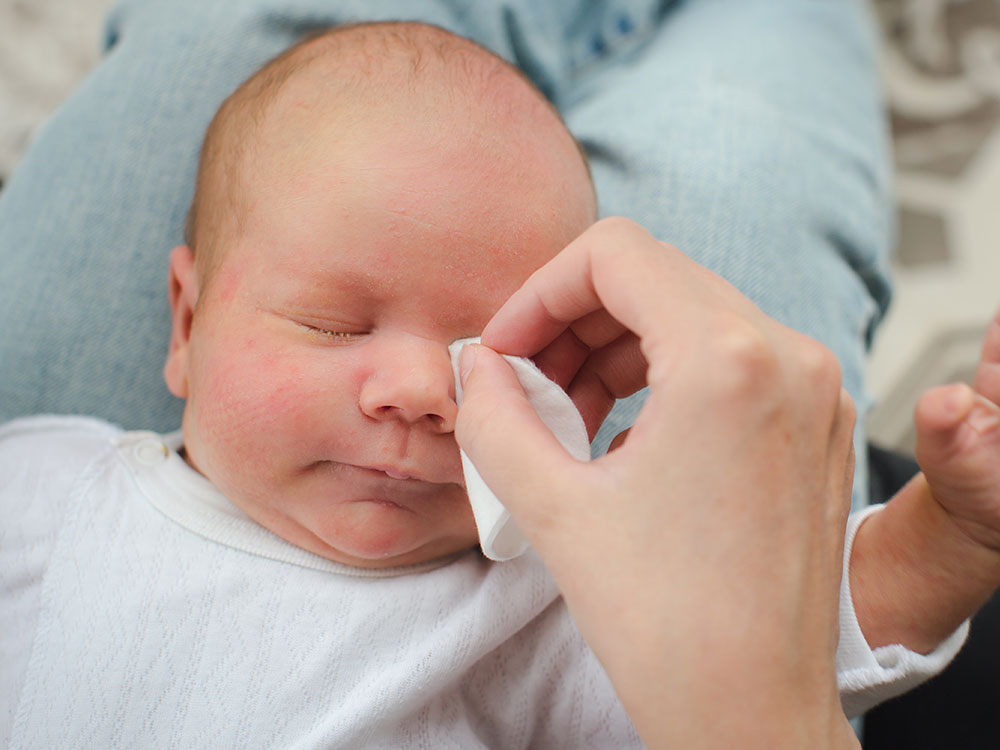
[(320, 392)]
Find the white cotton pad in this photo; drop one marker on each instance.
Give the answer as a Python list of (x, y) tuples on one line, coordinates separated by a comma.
[(498, 533)]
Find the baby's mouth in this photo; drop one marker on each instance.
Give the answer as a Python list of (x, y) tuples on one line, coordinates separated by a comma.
[(395, 473), (400, 475), (395, 478)]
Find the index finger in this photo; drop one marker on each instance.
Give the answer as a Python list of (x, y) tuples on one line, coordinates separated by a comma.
[(614, 269)]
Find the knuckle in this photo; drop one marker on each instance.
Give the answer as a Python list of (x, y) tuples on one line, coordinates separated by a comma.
[(616, 240), (819, 370), (817, 361), (617, 225), (615, 235), (848, 409), (747, 362)]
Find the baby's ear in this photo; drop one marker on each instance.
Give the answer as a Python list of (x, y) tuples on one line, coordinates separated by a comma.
[(183, 292)]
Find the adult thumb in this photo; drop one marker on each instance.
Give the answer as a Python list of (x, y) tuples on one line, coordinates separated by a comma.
[(512, 448)]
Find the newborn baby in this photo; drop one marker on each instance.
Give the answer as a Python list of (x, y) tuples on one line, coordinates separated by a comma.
[(348, 226)]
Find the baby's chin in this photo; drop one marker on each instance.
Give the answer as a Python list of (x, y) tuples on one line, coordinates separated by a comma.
[(382, 535), (377, 554), (365, 533), (414, 557)]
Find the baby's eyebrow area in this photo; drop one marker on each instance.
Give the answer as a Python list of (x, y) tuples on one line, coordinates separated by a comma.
[(327, 283)]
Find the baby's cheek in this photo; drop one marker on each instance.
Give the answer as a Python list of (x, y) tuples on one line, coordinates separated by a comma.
[(288, 402), (244, 402)]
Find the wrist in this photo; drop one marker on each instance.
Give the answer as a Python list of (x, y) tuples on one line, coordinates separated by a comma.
[(916, 574), (981, 536), (972, 548)]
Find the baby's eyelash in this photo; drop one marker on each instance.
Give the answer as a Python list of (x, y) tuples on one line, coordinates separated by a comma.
[(342, 336)]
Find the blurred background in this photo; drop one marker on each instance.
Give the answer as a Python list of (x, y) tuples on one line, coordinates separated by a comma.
[(940, 62), (941, 71)]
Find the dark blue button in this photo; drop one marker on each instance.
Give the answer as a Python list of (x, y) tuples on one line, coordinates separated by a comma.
[(625, 25)]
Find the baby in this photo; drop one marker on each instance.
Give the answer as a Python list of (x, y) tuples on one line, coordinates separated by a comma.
[(348, 225), (297, 566)]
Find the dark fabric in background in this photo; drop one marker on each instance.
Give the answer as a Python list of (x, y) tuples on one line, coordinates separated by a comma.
[(960, 708)]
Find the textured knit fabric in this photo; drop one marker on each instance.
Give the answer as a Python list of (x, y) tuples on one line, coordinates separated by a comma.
[(139, 608), (124, 629)]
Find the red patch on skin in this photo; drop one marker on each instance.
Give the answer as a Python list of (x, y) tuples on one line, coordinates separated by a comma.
[(385, 259), (226, 281)]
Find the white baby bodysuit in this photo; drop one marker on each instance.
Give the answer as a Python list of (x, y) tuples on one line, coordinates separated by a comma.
[(141, 608)]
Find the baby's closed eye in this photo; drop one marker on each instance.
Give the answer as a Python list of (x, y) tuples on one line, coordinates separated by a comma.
[(333, 336), (322, 328)]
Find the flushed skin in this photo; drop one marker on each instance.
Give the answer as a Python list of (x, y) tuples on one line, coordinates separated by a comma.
[(314, 359)]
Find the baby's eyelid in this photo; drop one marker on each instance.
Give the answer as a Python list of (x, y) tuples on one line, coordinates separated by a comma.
[(332, 335)]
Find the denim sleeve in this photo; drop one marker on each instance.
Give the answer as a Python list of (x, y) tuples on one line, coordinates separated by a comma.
[(751, 135)]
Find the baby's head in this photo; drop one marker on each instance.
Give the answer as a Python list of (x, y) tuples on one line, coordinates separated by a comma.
[(362, 201)]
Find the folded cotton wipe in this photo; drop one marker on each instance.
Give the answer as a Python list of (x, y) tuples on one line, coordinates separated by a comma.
[(498, 533)]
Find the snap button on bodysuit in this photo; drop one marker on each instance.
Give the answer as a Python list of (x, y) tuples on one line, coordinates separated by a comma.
[(150, 452)]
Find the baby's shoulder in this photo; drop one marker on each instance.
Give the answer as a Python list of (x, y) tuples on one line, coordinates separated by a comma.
[(54, 443), (51, 429), (42, 460)]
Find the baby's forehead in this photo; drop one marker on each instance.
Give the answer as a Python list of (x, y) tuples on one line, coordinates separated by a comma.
[(383, 83), (410, 139), (351, 87)]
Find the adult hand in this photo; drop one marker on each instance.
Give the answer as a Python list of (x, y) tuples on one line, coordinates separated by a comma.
[(701, 559)]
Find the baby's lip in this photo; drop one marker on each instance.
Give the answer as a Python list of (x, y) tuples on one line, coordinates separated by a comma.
[(401, 473), (397, 473)]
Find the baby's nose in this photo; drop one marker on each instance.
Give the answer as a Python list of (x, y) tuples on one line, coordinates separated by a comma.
[(413, 383)]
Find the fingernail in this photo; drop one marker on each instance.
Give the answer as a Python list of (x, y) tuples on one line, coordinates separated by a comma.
[(466, 360)]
